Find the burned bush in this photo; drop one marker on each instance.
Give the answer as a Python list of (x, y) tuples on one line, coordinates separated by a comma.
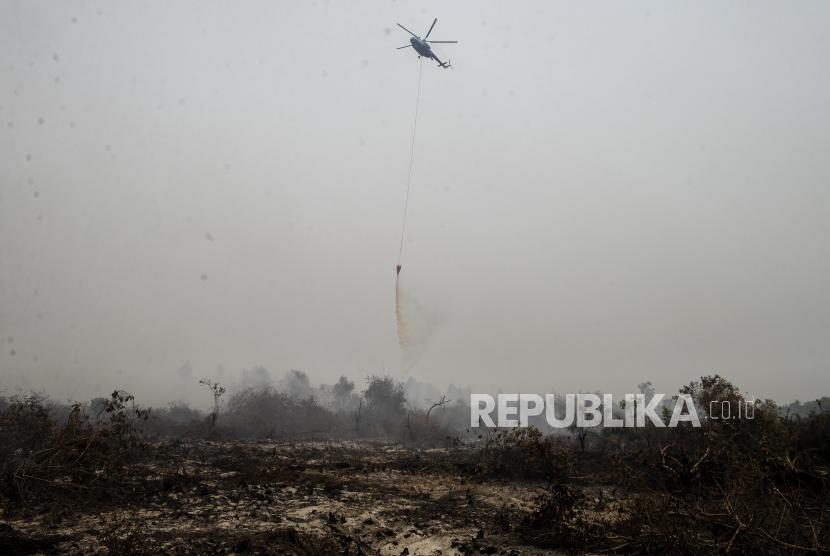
[(385, 405), (558, 522), (268, 413), (46, 458), (742, 485), (24, 423), (523, 453), (178, 420)]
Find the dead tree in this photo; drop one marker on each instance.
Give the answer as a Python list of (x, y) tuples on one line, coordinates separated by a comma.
[(440, 403), (218, 391)]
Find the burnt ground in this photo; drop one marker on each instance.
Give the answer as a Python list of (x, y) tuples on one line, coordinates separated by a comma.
[(306, 497)]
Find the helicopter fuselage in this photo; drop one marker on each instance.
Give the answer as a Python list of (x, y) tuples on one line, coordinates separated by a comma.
[(421, 47)]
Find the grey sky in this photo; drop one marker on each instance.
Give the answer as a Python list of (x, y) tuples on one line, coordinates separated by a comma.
[(605, 193)]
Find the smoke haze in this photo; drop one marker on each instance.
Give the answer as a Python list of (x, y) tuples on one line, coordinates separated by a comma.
[(604, 193)]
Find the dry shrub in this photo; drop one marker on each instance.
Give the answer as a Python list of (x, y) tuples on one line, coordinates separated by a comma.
[(738, 485), (83, 454), (523, 453), (268, 413), (759, 485), (558, 522)]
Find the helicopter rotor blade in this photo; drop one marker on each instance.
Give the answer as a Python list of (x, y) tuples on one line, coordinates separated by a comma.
[(407, 30), (402, 47), (430, 28), (444, 42)]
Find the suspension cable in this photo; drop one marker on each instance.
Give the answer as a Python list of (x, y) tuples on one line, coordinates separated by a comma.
[(411, 164)]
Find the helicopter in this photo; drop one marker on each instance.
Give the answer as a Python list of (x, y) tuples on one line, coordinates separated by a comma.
[(422, 46)]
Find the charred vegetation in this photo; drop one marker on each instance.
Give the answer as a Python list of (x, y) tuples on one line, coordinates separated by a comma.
[(331, 470)]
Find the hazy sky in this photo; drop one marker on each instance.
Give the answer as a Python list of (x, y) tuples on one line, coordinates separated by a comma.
[(605, 193)]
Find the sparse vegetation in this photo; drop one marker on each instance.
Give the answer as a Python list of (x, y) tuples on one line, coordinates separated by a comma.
[(730, 486)]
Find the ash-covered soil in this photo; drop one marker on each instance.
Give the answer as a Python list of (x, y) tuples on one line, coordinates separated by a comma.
[(307, 497)]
